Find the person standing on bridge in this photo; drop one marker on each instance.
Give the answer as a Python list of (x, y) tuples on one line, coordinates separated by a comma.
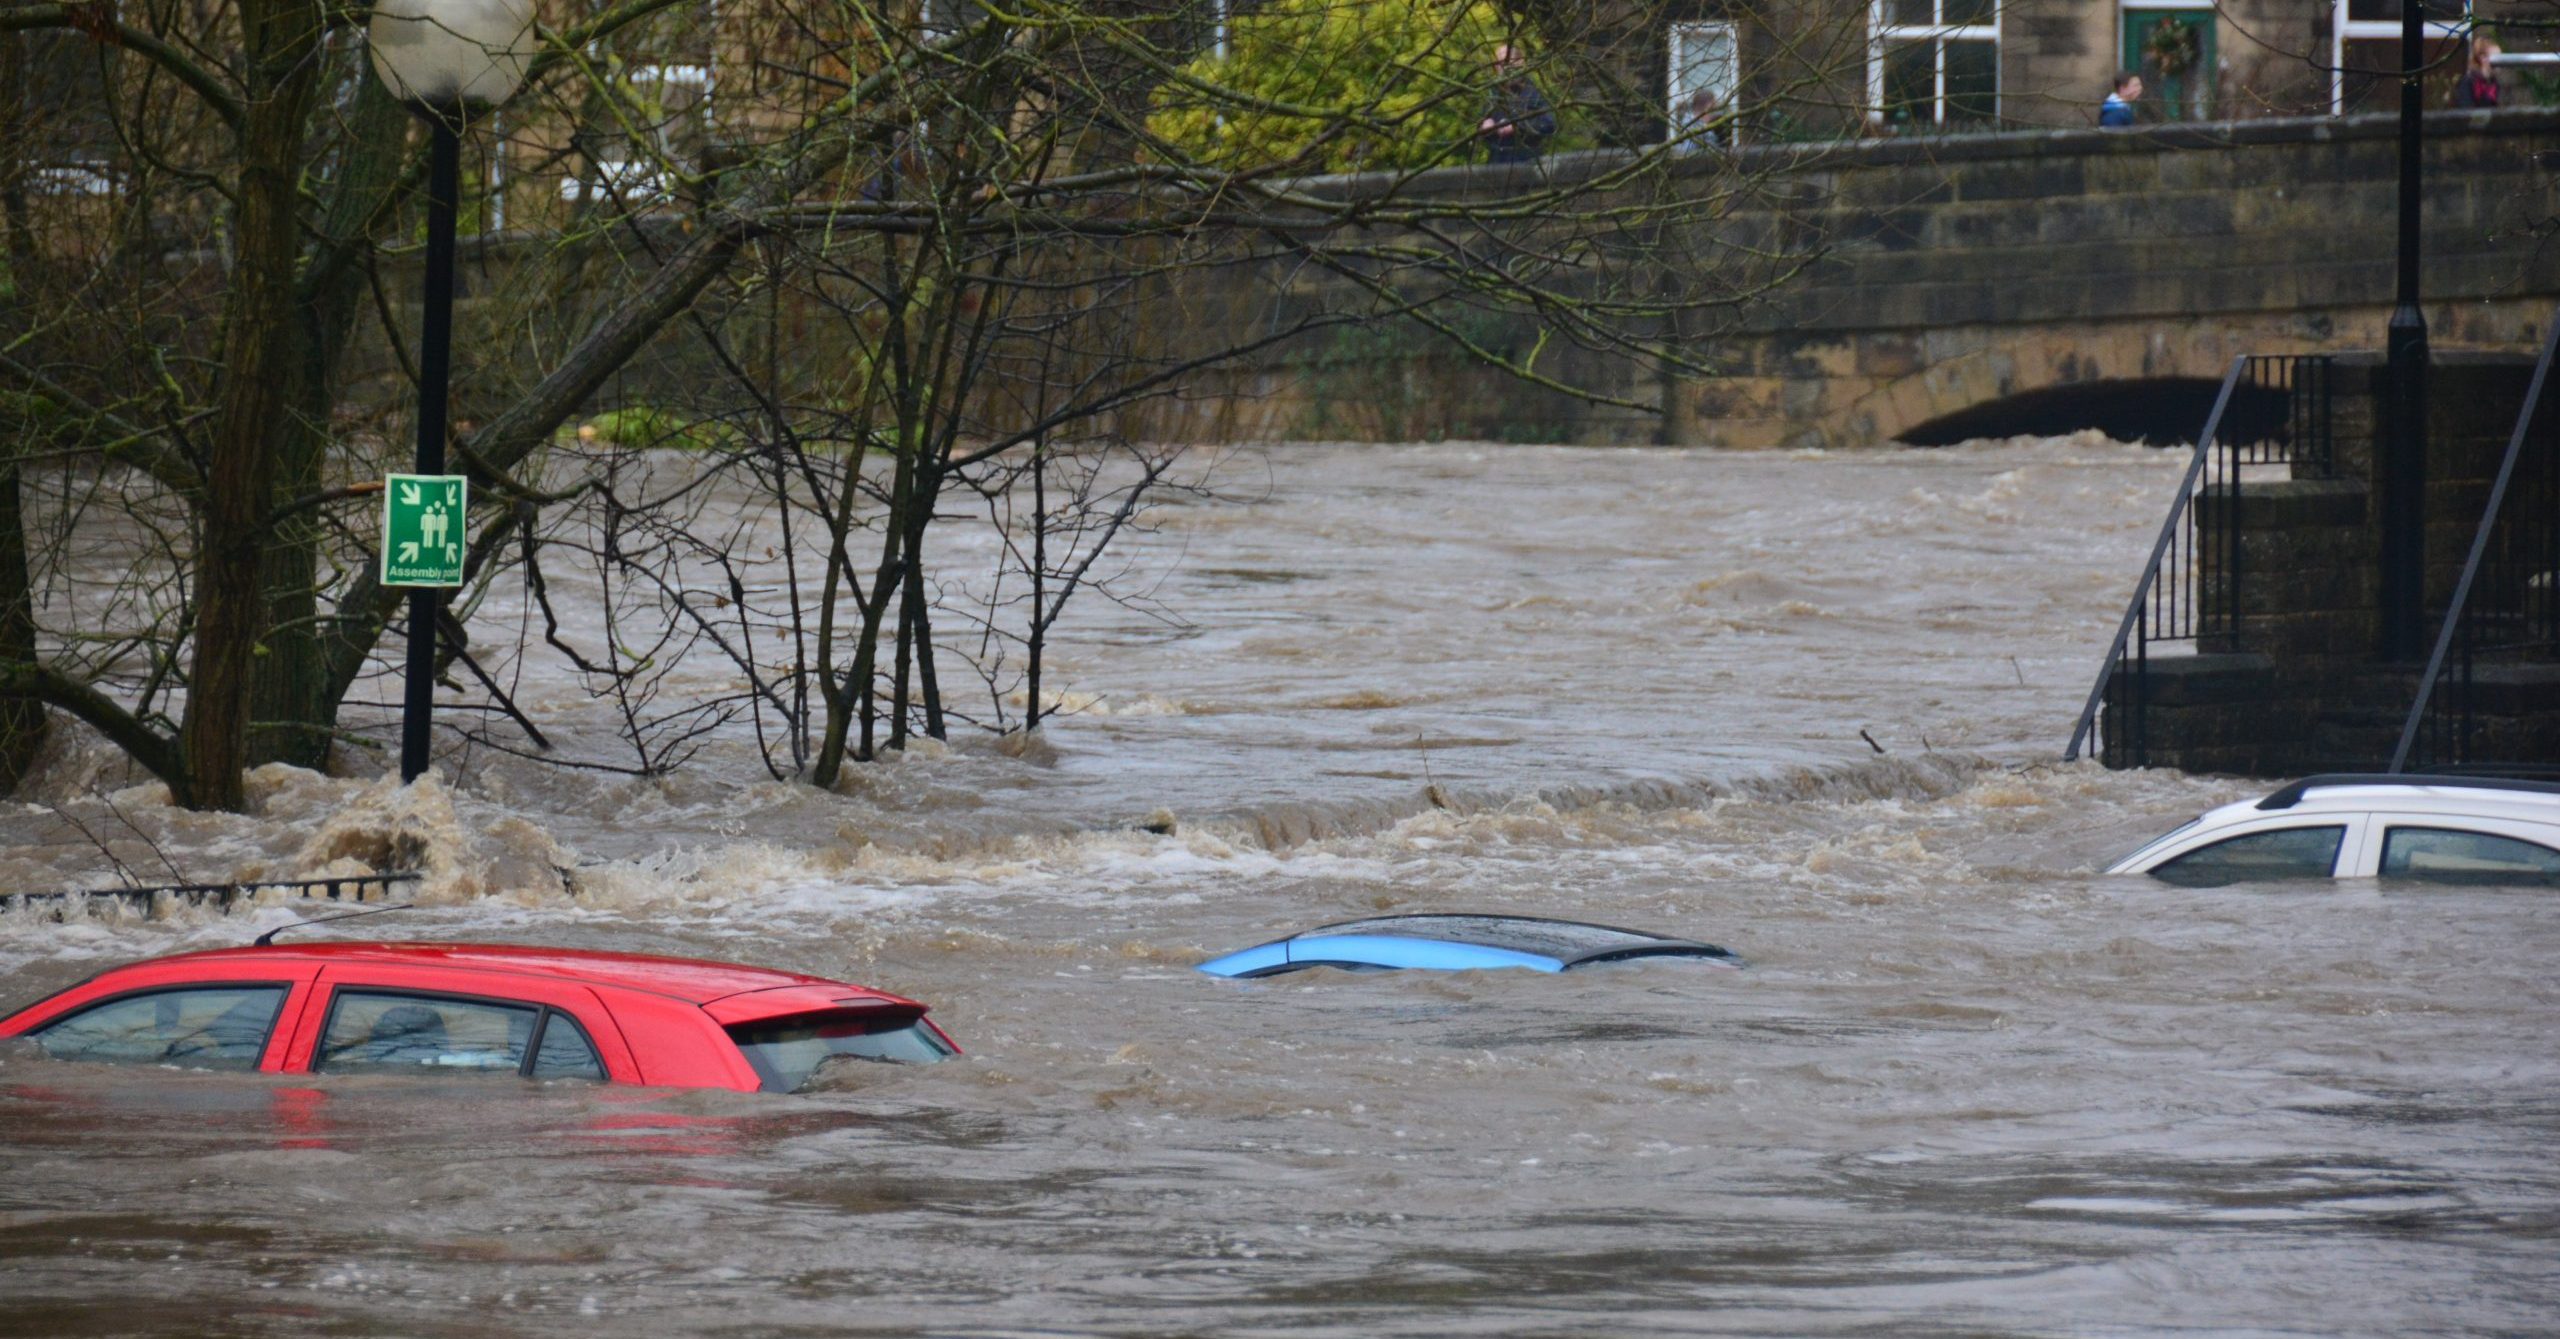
[(2478, 86), (2116, 113), (1700, 124), (1519, 122)]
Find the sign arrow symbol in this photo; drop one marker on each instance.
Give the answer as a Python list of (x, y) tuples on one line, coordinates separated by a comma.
[(409, 495), (409, 553)]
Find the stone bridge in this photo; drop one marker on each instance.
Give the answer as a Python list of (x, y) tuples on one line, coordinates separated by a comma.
[(2026, 282)]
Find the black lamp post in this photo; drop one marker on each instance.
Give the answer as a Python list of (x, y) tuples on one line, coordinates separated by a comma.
[(447, 60), (2404, 446)]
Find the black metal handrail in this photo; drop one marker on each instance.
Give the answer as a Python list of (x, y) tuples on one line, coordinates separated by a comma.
[(347, 888), (2527, 590), (2190, 590), (2137, 610)]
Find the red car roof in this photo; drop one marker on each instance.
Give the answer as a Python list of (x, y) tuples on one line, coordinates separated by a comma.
[(684, 978)]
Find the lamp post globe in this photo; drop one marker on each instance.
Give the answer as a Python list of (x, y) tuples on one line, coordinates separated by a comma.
[(447, 60), (451, 57)]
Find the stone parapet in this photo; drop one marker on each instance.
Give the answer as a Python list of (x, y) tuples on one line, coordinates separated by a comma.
[(1948, 273)]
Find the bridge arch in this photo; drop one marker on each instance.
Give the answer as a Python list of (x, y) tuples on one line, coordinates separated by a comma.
[(2157, 410), (2148, 379)]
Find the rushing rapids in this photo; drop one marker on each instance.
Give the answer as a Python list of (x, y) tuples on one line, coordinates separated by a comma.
[(1966, 1083)]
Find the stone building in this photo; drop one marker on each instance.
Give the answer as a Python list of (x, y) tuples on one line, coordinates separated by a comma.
[(1957, 64)]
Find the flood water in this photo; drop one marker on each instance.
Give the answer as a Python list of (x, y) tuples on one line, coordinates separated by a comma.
[(1967, 1086)]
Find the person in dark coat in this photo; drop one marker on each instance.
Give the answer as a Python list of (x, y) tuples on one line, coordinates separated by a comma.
[(1518, 123), (2478, 86)]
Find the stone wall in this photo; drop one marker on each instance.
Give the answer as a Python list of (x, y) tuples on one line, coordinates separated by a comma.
[(1955, 274), (1973, 269)]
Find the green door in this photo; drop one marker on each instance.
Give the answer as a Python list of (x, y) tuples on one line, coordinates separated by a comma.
[(2177, 66)]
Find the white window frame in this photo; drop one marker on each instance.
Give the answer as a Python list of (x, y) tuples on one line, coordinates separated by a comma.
[(2343, 30), (493, 215), (1882, 34), (1674, 94), (637, 181)]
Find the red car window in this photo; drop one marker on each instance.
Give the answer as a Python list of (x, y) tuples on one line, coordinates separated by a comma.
[(457, 1021), (378, 1031), (290, 978), (561, 1051), (788, 1052), (198, 1027)]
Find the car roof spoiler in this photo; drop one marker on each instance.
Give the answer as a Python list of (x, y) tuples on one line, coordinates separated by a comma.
[(2292, 795)]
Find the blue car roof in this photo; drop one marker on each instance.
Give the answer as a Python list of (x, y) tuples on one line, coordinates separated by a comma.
[(1457, 942)]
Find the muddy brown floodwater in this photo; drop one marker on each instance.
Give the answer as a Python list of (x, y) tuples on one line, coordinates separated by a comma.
[(1968, 1086)]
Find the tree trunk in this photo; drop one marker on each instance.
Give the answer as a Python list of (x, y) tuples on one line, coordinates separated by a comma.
[(282, 41), (920, 610), (21, 719), (1037, 632), (292, 705), (898, 666)]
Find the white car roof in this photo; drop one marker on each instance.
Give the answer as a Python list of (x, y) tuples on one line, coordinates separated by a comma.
[(2478, 797)]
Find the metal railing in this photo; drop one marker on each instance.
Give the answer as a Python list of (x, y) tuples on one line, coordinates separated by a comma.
[(350, 888), (2506, 606), (2272, 410)]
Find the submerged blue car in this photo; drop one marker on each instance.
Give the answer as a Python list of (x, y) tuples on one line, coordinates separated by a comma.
[(1453, 942)]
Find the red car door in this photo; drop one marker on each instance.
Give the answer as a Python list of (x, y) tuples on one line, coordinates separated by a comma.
[(152, 978), (428, 986)]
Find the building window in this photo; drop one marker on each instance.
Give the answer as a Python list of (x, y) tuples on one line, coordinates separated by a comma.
[(2364, 51), (1704, 73), (1933, 62)]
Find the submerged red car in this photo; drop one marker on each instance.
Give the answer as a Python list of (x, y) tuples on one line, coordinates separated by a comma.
[(444, 1009)]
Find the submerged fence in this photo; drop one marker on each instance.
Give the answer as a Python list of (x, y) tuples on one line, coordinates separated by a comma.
[(354, 888)]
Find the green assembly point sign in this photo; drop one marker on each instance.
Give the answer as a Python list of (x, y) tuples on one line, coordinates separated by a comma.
[(422, 529)]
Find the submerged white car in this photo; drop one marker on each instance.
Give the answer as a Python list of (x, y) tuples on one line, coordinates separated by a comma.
[(2438, 829)]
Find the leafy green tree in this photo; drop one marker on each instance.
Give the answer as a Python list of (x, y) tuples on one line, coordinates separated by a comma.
[(1338, 85)]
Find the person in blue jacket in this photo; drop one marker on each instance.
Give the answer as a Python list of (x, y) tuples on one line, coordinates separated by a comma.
[(2116, 113)]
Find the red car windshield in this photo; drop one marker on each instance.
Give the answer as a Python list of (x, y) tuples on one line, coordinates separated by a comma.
[(786, 1052)]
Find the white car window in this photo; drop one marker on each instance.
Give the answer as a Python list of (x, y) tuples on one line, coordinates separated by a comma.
[(2282, 853), (2445, 855)]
